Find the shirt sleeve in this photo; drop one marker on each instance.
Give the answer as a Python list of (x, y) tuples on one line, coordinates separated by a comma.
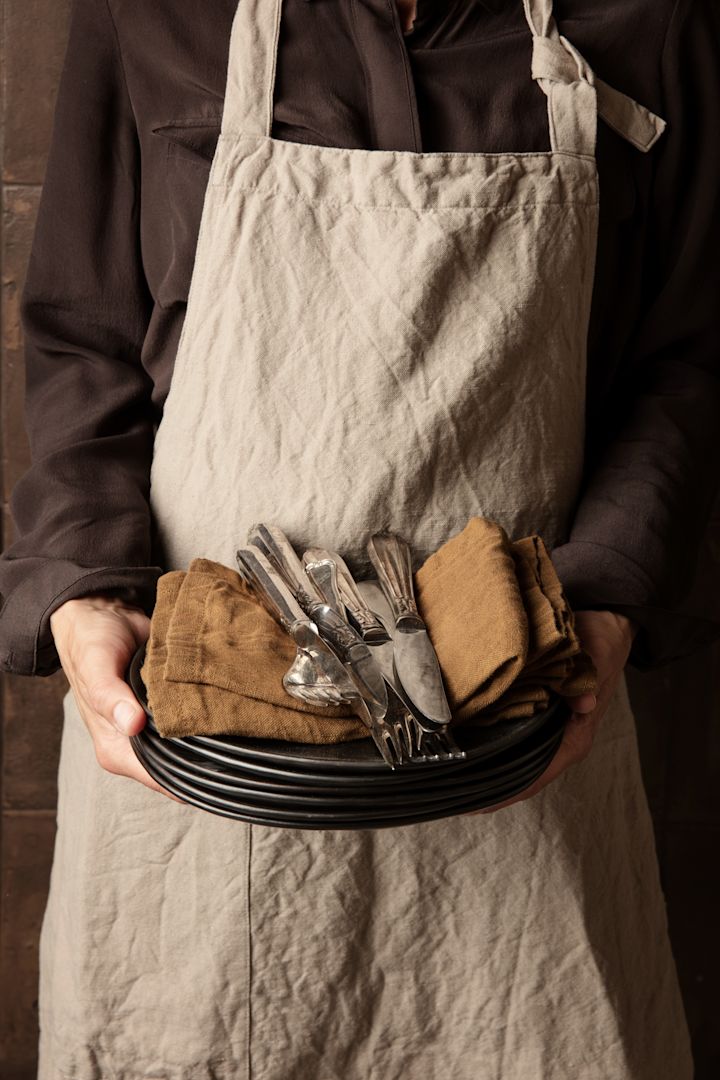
[(641, 525), (81, 511)]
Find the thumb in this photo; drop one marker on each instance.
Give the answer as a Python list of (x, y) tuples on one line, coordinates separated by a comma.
[(128, 715), (111, 696)]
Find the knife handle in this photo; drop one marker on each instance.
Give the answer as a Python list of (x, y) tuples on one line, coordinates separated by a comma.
[(390, 555), (323, 575), (330, 616), (276, 547), (338, 632), (270, 586), (371, 627)]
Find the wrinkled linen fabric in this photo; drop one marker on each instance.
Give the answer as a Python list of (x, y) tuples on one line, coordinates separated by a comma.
[(397, 339), (138, 113)]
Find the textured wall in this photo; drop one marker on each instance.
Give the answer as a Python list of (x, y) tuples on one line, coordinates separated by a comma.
[(678, 708), (33, 39)]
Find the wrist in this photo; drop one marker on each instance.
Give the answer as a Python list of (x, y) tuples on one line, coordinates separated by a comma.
[(98, 601)]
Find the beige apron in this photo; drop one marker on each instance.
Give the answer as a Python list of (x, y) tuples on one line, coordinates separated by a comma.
[(373, 338)]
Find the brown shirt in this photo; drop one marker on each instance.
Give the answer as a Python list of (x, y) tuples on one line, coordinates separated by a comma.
[(137, 118)]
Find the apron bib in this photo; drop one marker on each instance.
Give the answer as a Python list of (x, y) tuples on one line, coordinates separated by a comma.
[(373, 339)]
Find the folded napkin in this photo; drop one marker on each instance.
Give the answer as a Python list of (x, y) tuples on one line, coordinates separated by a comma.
[(500, 624), (214, 663), (495, 613)]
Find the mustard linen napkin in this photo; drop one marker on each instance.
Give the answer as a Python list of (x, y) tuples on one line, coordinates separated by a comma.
[(214, 664), (500, 624)]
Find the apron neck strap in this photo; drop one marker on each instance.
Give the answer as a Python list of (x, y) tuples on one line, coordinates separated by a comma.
[(566, 80), (250, 83), (576, 97)]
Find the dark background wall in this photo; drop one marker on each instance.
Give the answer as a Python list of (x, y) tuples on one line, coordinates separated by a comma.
[(678, 707)]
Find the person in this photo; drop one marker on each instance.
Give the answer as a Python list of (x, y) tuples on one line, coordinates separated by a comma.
[(137, 128)]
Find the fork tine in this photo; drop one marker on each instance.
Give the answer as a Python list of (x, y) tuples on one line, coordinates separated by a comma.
[(418, 752), (394, 735), (447, 739), (384, 742), (402, 733)]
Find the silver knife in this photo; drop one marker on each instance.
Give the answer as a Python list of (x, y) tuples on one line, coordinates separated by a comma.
[(414, 657), (276, 547), (383, 651), (432, 741)]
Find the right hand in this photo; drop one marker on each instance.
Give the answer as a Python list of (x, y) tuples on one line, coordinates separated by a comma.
[(96, 636)]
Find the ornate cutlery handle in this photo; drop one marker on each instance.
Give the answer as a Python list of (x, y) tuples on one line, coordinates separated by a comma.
[(330, 615), (338, 632), (390, 555), (340, 635), (371, 628), (323, 576), (270, 586), (276, 547)]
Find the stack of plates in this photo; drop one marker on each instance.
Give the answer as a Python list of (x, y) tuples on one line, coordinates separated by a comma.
[(345, 785)]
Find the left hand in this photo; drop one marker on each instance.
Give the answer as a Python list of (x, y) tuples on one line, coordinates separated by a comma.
[(607, 636)]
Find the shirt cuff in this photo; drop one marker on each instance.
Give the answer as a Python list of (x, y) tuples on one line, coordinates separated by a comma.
[(27, 646), (596, 578)]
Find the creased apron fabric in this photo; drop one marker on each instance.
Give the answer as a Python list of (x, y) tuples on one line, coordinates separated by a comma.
[(374, 338)]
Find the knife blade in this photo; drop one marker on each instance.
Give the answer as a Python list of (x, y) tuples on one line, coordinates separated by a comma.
[(414, 657)]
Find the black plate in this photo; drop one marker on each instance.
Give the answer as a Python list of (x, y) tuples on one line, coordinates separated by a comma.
[(402, 779), (307, 820), (375, 808), (262, 779), (359, 756), (233, 787)]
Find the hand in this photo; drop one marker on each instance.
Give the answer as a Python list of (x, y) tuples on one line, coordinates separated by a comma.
[(96, 637), (607, 636)]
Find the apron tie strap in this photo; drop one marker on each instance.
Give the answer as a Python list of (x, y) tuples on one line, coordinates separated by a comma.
[(576, 96), (558, 59)]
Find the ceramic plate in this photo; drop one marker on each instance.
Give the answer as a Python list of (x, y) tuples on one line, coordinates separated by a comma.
[(359, 756), (263, 778), (260, 815), (233, 787)]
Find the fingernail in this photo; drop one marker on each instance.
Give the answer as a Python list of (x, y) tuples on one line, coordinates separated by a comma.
[(123, 713)]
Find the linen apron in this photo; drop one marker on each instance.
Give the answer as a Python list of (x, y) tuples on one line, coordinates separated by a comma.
[(373, 339)]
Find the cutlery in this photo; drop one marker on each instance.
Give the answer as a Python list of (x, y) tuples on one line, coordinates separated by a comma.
[(332, 626), (318, 668), (415, 661), (323, 575), (429, 741), (371, 628), (276, 547)]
